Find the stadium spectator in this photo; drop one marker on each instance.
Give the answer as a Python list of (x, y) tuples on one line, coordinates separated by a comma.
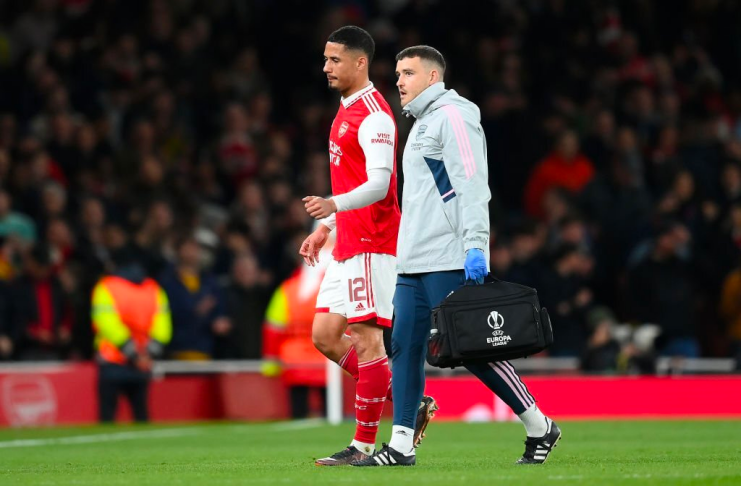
[(603, 350), (155, 237), (7, 334), (730, 311), (246, 299), (7, 258), (661, 289), (565, 292), (600, 143), (564, 167), (14, 223), (198, 308), (41, 312), (527, 244), (617, 348)]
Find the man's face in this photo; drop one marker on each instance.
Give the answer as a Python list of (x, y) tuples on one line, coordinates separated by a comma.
[(412, 77), (190, 253), (340, 66)]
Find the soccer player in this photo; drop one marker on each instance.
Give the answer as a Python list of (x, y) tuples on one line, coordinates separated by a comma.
[(443, 241), (357, 289)]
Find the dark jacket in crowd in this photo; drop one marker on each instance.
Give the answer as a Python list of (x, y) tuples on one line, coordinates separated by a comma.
[(192, 331), (39, 307), (662, 293), (246, 307)]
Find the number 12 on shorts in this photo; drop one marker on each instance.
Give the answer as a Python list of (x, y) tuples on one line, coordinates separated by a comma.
[(356, 289)]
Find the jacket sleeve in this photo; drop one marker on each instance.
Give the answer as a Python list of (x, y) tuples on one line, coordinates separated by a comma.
[(275, 325), (161, 330), (106, 320), (464, 156)]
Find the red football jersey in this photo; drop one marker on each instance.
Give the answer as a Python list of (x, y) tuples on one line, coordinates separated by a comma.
[(374, 228)]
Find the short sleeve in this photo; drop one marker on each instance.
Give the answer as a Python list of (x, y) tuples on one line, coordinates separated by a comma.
[(377, 138)]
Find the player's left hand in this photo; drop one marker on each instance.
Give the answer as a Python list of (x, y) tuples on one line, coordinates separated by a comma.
[(318, 207), (312, 244), (475, 267)]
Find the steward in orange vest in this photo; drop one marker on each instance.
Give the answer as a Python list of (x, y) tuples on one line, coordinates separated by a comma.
[(132, 324)]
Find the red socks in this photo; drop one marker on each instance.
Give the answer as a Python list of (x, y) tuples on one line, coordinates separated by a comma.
[(373, 386), (349, 363)]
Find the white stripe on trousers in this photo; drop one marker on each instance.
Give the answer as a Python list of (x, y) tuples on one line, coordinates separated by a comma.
[(518, 381), (509, 381)]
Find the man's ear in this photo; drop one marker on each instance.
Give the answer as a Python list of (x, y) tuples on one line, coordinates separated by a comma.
[(434, 76), (362, 62)]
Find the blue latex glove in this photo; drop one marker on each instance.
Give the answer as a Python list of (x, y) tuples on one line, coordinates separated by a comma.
[(475, 266)]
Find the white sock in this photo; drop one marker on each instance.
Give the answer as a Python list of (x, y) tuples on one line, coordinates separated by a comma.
[(536, 424), (366, 449), (402, 439)]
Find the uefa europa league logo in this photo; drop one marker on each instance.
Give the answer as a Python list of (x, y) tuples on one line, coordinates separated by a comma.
[(495, 320)]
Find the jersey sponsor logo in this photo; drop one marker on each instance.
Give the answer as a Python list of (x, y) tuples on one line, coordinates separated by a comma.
[(383, 138), (343, 128), (335, 154)]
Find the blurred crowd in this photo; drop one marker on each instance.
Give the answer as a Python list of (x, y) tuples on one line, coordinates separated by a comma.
[(188, 131)]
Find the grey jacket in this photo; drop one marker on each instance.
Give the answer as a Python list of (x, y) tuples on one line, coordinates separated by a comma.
[(444, 208)]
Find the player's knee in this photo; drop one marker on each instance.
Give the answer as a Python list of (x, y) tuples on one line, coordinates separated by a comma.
[(358, 343), (368, 342), (323, 341)]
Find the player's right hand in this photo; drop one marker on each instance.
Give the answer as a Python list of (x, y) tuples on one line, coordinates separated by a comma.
[(312, 244)]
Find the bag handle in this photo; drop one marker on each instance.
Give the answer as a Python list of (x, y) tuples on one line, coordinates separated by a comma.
[(488, 279)]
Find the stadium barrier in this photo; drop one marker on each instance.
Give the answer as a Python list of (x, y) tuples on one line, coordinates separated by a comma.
[(44, 394)]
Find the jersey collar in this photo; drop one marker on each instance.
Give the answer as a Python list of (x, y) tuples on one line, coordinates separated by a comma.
[(347, 102)]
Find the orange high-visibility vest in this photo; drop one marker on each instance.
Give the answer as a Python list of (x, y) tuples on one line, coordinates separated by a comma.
[(124, 310), (289, 319)]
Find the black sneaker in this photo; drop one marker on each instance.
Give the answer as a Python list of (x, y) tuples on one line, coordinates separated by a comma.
[(425, 412), (537, 449), (387, 457), (342, 458)]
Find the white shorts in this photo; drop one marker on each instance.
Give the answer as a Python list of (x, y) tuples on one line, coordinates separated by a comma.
[(360, 288)]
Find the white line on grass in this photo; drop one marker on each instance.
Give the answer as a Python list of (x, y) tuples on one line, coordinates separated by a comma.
[(148, 434), (300, 425), (91, 439), (286, 426)]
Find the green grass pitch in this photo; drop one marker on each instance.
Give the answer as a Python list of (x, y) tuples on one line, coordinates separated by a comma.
[(590, 453)]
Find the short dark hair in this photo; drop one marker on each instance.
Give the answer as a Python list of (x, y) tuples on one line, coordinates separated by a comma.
[(354, 38), (426, 53)]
